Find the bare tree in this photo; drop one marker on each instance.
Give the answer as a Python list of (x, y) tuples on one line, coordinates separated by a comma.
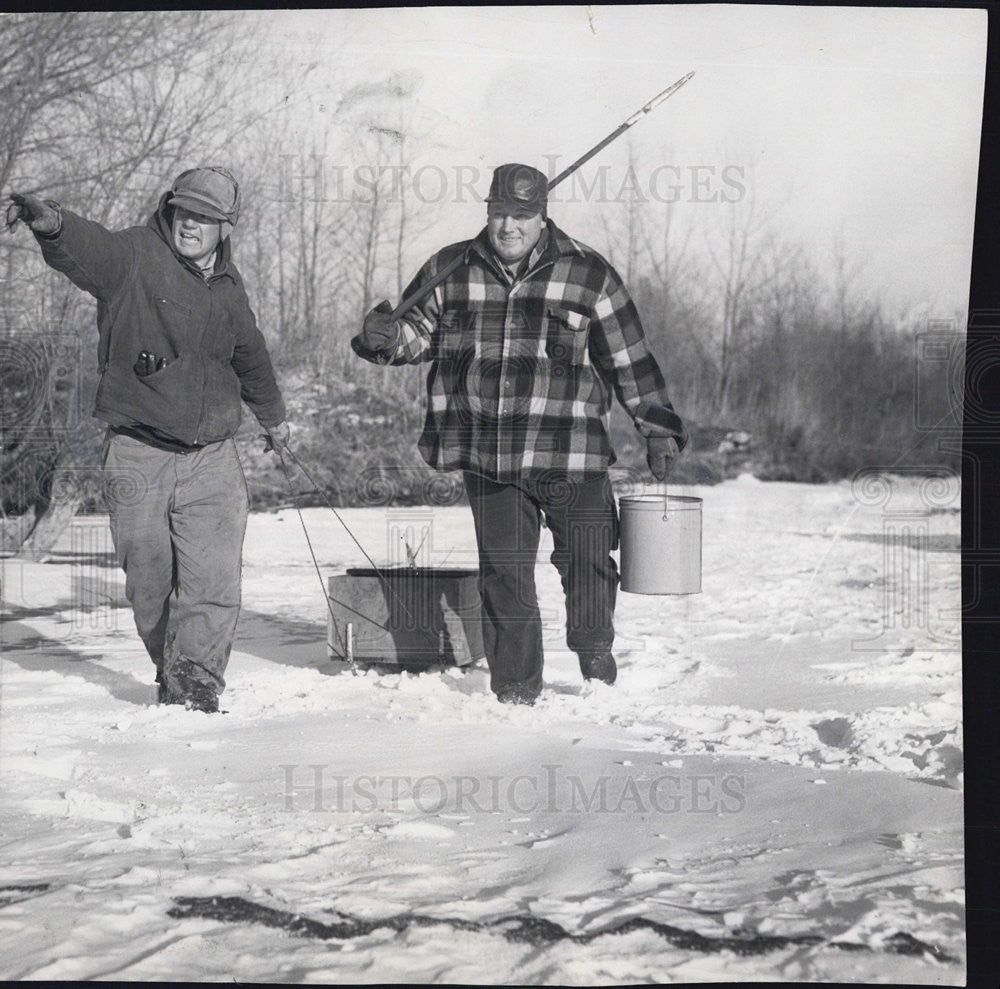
[(737, 258)]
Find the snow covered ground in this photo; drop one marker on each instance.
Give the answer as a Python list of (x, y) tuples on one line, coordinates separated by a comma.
[(771, 791)]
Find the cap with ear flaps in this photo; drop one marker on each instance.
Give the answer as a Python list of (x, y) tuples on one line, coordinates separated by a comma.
[(210, 191)]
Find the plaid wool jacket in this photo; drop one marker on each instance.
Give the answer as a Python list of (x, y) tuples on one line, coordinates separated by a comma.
[(522, 369)]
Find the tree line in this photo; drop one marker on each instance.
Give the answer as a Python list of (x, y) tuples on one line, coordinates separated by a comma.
[(103, 109)]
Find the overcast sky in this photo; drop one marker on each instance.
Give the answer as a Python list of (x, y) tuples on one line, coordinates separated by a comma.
[(853, 122)]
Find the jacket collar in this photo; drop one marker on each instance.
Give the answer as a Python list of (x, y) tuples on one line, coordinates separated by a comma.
[(161, 221)]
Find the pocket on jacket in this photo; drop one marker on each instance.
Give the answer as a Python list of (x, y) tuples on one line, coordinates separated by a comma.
[(454, 333), (193, 399), (221, 405), (171, 307), (173, 320), (169, 400), (565, 335)]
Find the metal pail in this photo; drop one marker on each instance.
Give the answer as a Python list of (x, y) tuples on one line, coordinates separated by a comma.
[(660, 544)]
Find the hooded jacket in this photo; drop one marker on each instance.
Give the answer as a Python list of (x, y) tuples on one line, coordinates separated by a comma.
[(150, 298)]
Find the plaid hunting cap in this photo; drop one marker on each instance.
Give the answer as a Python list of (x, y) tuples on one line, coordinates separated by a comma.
[(211, 191), (519, 185)]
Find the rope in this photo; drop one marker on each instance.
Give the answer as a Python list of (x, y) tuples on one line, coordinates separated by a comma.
[(298, 463), (312, 552)]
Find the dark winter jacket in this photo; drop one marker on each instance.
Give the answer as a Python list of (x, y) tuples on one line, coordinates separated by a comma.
[(149, 298)]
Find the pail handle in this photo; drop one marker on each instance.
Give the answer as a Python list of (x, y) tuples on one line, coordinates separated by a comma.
[(666, 503)]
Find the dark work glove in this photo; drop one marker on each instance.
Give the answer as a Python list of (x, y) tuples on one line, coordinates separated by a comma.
[(380, 331), (277, 437), (661, 452), (37, 214)]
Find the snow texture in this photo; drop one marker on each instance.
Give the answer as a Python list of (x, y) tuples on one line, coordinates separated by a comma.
[(771, 791)]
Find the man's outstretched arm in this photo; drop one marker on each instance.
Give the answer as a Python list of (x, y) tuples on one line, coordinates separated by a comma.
[(93, 258)]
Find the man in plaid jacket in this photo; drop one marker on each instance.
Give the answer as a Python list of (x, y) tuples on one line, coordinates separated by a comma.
[(527, 340)]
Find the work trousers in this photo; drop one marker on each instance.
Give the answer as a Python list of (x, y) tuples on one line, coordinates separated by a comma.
[(178, 522), (583, 520)]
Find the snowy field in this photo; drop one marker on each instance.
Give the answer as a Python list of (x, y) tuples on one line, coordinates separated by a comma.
[(772, 791)]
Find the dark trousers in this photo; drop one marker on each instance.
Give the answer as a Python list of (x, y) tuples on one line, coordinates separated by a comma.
[(583, 520), (178, 520)]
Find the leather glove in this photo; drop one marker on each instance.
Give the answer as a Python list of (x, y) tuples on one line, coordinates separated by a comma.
[(277, 437), (39, 215), (380, 332), (661, 452)]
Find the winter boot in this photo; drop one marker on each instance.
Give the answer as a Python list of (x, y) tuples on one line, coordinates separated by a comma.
[(202, 698), (599, 666), (194, 694), (516, 693)]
